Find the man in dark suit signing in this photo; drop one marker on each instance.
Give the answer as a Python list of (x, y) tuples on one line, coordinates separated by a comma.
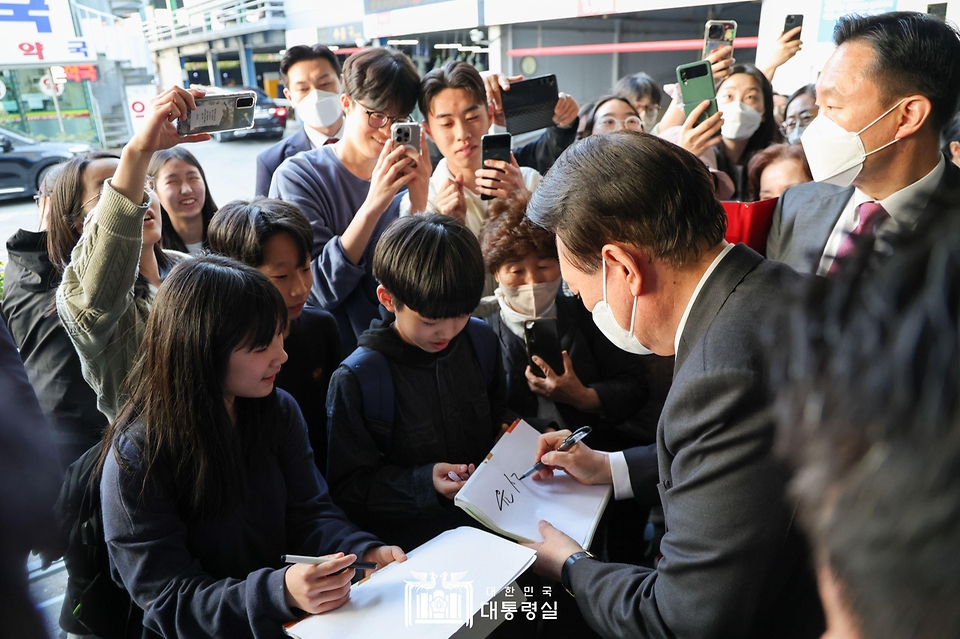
[(885, 95), (641, 239), (311, 81)]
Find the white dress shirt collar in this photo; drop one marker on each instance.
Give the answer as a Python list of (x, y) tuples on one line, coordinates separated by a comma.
[(693, 298)]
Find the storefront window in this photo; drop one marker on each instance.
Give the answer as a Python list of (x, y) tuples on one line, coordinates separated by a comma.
[(26, 108)]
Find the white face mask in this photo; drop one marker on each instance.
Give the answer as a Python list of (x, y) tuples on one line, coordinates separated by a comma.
[(796, 134), (604, 319), (319, 109), (740, 120), (836, 155), (531, 300)]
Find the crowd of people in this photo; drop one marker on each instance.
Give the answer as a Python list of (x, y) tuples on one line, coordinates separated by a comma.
[(318, 370)]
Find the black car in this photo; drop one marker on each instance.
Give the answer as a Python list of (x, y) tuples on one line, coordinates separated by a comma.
[(269, 118), (24, 161)]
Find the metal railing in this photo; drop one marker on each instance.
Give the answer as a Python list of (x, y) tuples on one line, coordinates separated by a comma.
[(115, 37), (211, 19)]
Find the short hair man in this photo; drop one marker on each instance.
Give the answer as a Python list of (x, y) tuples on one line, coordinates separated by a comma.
[(456, 114), (874, 149), (640, 237), (311, 81), (870, 415)]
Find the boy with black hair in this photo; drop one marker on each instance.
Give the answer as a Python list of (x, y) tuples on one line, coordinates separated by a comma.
[(311, 81), (423, 398)]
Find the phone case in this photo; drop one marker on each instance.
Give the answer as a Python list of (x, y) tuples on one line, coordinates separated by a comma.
[(724, 33), (220, 112), (542, 337), (406, 134), (696, 85), (529, 104), (494, 146), (793, 21)]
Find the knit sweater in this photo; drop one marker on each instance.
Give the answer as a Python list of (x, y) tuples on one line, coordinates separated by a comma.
[(95, 299)]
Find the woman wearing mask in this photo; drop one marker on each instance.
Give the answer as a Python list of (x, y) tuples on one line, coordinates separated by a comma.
[(799, 112), (600, 385), (186, 205), (745, 100)]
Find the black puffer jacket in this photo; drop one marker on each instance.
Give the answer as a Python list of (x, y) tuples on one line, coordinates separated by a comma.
[(52, 363)]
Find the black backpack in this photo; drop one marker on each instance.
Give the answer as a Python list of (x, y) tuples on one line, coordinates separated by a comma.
[(93, 603)]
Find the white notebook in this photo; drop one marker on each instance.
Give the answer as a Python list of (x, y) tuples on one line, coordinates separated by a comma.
[(432, 595), (498, 499)]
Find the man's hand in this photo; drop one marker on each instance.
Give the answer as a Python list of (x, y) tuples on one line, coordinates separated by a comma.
[(555, 549), (500, 178), (566, 388), (450, 200), (566, 111), (494, 83), (581, 462), (697, 138), (443, 478), (419, 186)]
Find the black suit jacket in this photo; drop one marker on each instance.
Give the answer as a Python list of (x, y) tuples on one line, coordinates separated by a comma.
[(269, 160), (807, 213), (733, 563)]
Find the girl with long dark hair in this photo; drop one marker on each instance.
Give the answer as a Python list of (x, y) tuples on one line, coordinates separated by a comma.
[(208, 475)]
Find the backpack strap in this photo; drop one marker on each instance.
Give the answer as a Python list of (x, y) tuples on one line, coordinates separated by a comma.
[(376, 383), (485, 346)]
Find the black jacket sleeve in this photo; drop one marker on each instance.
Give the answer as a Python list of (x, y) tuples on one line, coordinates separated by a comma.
[(544, 151)]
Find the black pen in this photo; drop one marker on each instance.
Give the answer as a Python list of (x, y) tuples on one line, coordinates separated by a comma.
[(305, 559), (567, 444)]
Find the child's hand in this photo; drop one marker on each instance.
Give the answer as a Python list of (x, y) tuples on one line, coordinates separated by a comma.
[(384, 555), (443, 478), (317, 588)]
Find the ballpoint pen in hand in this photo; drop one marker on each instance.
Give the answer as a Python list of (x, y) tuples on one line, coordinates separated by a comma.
[(567, 444)]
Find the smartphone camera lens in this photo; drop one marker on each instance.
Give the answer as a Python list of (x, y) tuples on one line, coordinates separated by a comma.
[(716, 31), (244, 103)]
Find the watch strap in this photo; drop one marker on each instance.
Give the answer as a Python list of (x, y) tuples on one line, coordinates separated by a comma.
[(565, 571)]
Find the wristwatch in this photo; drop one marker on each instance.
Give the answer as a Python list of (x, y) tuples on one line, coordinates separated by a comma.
[(565, 571)]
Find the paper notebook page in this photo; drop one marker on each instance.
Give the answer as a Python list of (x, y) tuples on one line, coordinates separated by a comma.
[(516, 507), (443, 583)]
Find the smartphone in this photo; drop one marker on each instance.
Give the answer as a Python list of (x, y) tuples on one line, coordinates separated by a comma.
[(793, 21), (717, 34), (529, 104), (220, 112), (696, 85), (494, 146), (542, 337), (406, 134)]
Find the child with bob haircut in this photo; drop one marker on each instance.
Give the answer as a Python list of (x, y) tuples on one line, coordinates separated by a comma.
[(396, 473), (208, 477), (275, 238)]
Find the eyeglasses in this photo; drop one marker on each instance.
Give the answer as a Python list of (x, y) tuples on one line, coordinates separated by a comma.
[(610, 123), (148, 186), (789, 125), (650, 110), (378, 119)]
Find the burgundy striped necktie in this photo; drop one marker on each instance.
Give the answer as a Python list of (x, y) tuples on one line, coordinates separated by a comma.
[(872, 215)]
